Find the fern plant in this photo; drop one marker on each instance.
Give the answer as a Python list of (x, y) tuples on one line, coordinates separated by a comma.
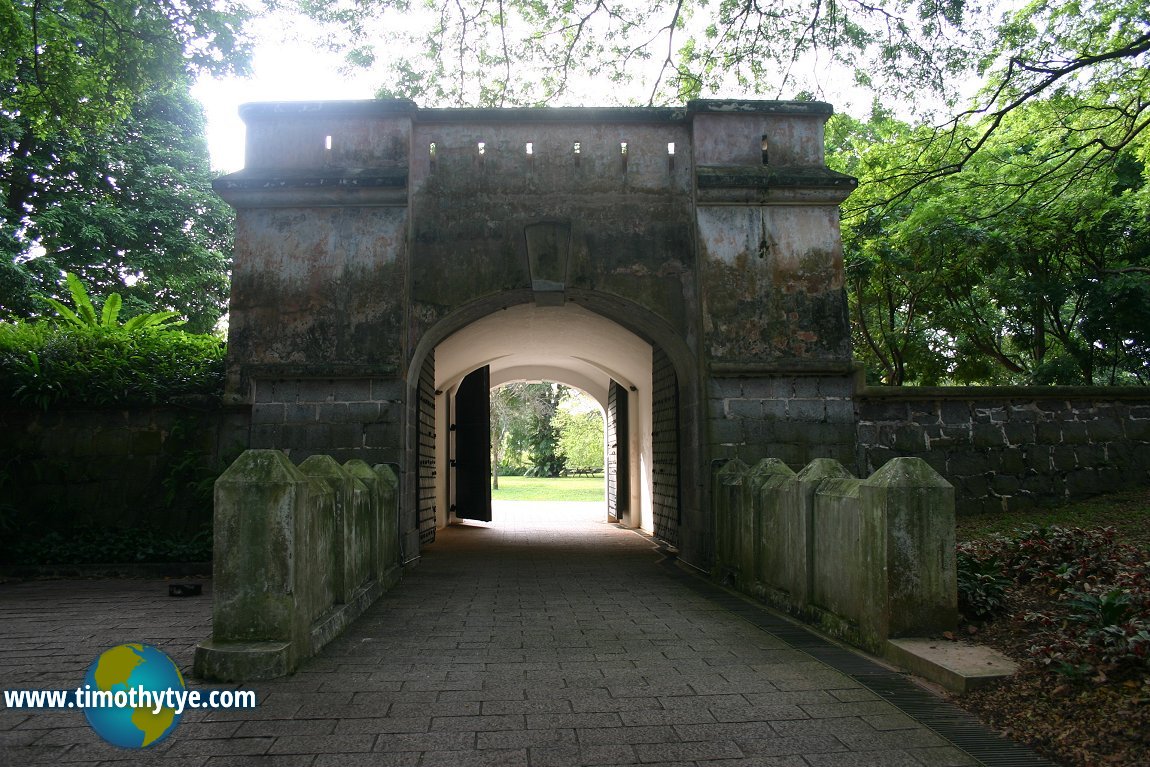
[(84, 315)]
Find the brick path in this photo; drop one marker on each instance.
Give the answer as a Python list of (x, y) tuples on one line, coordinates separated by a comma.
[(520, 643)]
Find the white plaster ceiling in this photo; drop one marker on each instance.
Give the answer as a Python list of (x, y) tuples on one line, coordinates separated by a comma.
[(567, 344)]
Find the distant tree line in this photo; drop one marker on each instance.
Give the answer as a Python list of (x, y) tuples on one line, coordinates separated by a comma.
[(540, 429)]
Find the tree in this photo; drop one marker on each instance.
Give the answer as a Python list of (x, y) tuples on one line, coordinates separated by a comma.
[(131, 211), (511, 417), (522, 424), (103, 170), (520, 52), (966, 280), (1086, 66), (78, 66), (580, 427), (543, 448)]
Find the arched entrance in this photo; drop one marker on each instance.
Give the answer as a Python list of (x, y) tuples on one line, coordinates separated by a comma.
[(633, 380)]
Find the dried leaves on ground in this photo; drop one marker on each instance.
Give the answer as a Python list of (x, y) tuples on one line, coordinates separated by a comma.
[(1070, 604)]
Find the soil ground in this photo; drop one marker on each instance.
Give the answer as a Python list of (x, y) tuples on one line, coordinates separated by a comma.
[(1102, 719)]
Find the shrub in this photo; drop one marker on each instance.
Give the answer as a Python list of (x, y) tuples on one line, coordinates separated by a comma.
[(1100, 622), (44, 364), (111, 546), (981, 586)]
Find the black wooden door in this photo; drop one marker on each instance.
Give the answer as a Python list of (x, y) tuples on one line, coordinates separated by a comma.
[(473, 446), (618, 460)]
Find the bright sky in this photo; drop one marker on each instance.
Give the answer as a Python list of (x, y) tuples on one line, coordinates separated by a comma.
[(282, 71), (286, 67)]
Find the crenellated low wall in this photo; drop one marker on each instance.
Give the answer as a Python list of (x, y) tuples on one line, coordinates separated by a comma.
[(300, 552), (865, 559)]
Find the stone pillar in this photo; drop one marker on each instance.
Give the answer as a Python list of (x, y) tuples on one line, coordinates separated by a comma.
[(801, 528), (907, 539), (263, 506), (371, 542), (330, 543), (837, 560), (769, 480), (729, 502), (389, 524), (758, 476)]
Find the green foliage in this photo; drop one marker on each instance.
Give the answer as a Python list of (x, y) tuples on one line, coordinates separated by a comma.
[(991, 277), (110, 546), (522, 52), (522, 427), (513, 408), (44, 365), (78, 65), (1100, 621), (543, 449), (129, 209), (84, 315), (580, 433), (981, 587), (1112, 608), (103, 166)]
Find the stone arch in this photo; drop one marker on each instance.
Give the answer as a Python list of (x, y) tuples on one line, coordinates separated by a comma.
[(507, 331)]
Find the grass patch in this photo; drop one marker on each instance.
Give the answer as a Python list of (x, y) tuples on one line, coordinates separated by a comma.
[(1127, 511), (549, 489)]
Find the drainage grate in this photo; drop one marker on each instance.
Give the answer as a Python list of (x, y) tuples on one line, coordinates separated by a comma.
[(951, 722)]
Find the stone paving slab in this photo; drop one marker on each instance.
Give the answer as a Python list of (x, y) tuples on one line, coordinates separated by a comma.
[(544, 639)]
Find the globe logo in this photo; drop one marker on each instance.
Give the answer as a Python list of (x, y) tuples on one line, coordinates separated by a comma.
[(122, 671)]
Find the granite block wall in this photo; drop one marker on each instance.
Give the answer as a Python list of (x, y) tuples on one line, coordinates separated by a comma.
[(342, 417), (1011, 448)]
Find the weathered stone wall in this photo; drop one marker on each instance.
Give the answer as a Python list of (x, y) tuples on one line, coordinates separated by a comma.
[(300, 552), (64, 468), (1011, 448), (575, 215), (345, 418), (775, 329), (794, 418), (868, 560)]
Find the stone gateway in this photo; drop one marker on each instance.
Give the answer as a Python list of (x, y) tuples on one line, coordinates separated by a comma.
[(681, 265)]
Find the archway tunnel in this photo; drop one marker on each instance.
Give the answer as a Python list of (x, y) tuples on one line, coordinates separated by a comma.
[(632, 381)]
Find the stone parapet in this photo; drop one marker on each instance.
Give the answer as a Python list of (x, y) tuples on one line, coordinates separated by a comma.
[(865, 560), (300, 552)]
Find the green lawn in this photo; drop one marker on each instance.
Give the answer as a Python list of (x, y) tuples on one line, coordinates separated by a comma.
[(548, 489)]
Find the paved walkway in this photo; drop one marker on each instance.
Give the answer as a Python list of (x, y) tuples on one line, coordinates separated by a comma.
[(543, 640)]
